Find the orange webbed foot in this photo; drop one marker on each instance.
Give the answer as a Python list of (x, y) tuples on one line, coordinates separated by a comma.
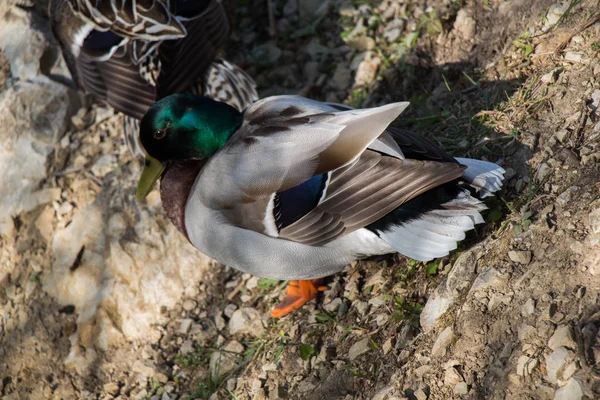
[(298, 294)]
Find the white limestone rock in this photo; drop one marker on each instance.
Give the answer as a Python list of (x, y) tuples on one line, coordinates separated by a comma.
[(459, 278), (119, 262)]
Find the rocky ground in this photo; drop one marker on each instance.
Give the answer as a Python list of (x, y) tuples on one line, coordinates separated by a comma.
[(100, 297)]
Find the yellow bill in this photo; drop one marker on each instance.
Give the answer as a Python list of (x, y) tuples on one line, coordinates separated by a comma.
[(153, 169)]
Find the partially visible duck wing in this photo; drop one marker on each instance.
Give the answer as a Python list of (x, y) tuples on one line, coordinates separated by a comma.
[(417, 147), (362, 193), (286, 140), (116, 82), (412, 144), (184, 62), (101, 62), (141, 19), (229, 84)]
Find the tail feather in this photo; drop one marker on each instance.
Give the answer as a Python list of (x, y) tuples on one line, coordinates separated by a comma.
[(472, 214), (417, 243), (450, 228), (485, 177), (436, 232), (433, 235)]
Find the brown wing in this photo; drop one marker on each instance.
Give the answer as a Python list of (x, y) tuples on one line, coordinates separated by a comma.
[(117, 81), (185, 61), (139, 19), (229, 84), (366, 191)]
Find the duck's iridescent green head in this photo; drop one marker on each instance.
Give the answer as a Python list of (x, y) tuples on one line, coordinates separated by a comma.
[(183, 127), (186, 126)]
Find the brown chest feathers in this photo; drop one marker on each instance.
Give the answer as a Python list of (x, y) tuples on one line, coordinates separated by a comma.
[(175, 187)]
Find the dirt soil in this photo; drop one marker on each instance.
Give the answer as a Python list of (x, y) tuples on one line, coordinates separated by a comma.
[(513, 313)]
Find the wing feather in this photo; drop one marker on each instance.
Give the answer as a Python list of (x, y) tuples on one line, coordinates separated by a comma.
[(116, 82), (140, 19), (185, 61), (367, 191), (285, 140), (228, 83), (314, 218), (418, 147), (412, 144)]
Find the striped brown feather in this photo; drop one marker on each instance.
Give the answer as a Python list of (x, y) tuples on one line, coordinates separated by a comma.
[(142, 19), (185, 61), (227, 83), (116, 82)]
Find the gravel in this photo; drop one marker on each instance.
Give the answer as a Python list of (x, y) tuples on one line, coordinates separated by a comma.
[(571, 391), (562, 337), (246, 321), (95, 282), (521, 257), (442, 342), (359, 348)]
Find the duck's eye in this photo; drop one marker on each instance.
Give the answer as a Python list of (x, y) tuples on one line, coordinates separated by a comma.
[(160, 133)]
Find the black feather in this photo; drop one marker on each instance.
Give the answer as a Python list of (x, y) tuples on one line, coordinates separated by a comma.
[(98, 40), (415, 208)]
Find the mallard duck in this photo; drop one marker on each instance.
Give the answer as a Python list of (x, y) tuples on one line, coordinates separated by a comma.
[(131, 53), (295, 189)]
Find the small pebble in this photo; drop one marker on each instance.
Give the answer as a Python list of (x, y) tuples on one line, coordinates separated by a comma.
[(333, 305), (229, 309), (574, 56), (571, 391), (528, 308), (189, 305), (359, 348), (442, 342), (526, 365), (461, 389), (562, 337), (521, 257), (185, 326)]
